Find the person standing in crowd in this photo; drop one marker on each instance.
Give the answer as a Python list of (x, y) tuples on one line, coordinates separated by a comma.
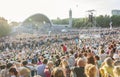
[(106, 69), (71, 60), (58, 61), (78, 71), (49, 68), (102, 55), (24, 70), (91, 60), (64, 65), (5, 72), (97, 61), (41, 68), (64, 48), (90, 70), (13, 72), (58, 72)]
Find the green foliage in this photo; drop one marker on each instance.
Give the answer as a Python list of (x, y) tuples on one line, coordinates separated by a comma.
[(4, 27), (61, 21), (79, 22), (116, 20), (101, 21)]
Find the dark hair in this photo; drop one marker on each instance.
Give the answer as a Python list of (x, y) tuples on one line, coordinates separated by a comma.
[(90, 60), (9, 65), (72, 52), (102, 51), (85, 54), (45, 61), (80, 55), (13, 70), (57, 56), (89, 50), (2, 67), (97, 57), (62, 45), (24, 63)]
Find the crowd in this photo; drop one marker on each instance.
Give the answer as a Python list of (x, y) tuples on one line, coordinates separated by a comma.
[(61, 55)]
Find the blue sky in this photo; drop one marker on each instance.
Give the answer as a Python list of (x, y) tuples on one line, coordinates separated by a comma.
[(19, 10)]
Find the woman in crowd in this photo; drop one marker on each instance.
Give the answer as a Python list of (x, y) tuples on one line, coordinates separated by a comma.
[(5, 72), (13, 72), (97, 61), (102, 55), (90, 70), (106, 69), (49, 68), (58, 72), (65, 67), (24, 72), (91, 60)]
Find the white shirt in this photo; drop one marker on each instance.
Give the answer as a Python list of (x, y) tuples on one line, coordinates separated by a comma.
[(102, 57), (13, 76)]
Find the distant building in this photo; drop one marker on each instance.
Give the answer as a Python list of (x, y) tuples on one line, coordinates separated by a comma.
[(70, 18), (115, 12), (36, 23)]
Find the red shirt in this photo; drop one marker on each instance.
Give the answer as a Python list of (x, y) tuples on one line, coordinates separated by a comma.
[(64, 48), (47, 72)]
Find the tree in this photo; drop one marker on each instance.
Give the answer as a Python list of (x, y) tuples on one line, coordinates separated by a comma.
[(4, 27), (61, 21), (78, 22), (103, 21), (115, 20)]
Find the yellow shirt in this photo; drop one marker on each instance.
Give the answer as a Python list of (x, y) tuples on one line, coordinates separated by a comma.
[(106, 71)]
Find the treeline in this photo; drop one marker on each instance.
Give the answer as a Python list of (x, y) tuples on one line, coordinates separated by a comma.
[(5, 27), (100, 21)]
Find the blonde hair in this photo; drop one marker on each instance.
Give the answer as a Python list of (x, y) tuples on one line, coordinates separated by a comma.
[(108, 61), (116, 71), (90, 70), (81, 62), (24, 72), (58, 72), (50, 63), (64, 63)]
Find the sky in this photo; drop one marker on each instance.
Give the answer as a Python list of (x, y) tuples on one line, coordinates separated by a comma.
[(19, 10)]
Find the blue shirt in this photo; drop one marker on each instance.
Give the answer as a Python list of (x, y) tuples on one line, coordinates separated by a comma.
[(40, 70)]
